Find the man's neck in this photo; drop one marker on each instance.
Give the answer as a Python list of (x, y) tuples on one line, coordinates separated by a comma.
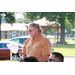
[(34, 38)]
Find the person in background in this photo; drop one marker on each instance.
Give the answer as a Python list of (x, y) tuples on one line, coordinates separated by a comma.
[(30, 59), (37, 45), (56, 57)]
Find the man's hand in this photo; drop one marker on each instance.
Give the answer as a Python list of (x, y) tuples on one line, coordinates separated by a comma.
[(22, 56)]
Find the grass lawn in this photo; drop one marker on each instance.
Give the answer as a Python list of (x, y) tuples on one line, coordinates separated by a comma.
[(8, 61), (66, 39), (66, 50), (4, 39)]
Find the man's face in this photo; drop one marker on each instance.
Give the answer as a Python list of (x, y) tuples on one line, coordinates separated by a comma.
[(32, 31), (52, 58)]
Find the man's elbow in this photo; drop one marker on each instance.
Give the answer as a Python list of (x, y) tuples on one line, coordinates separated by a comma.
[(44, 58)]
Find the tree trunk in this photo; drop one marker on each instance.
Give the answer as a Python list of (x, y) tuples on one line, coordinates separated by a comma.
[(62, 38)]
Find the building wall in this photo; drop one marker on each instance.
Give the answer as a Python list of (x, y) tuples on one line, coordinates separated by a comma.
[(2, 34), (17, 33), (6, 35), (9, 35), (12, 34)]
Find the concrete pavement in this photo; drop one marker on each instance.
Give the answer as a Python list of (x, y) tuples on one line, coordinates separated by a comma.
[(69, 58)]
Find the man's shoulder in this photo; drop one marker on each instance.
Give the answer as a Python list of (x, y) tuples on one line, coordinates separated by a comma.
[(43, 38), (27, 39)]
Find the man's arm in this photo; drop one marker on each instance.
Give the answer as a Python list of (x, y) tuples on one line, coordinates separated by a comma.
[(46, 50), (22, 56), (44, 58), (23, 53)]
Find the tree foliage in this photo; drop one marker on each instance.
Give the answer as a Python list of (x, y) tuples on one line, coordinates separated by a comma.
[(53, 16), (9, 17), (21, 20)]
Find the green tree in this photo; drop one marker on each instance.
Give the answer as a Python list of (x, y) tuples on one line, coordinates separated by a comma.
[(68, 26), (21, 20), (53, 16), (9, 18)]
